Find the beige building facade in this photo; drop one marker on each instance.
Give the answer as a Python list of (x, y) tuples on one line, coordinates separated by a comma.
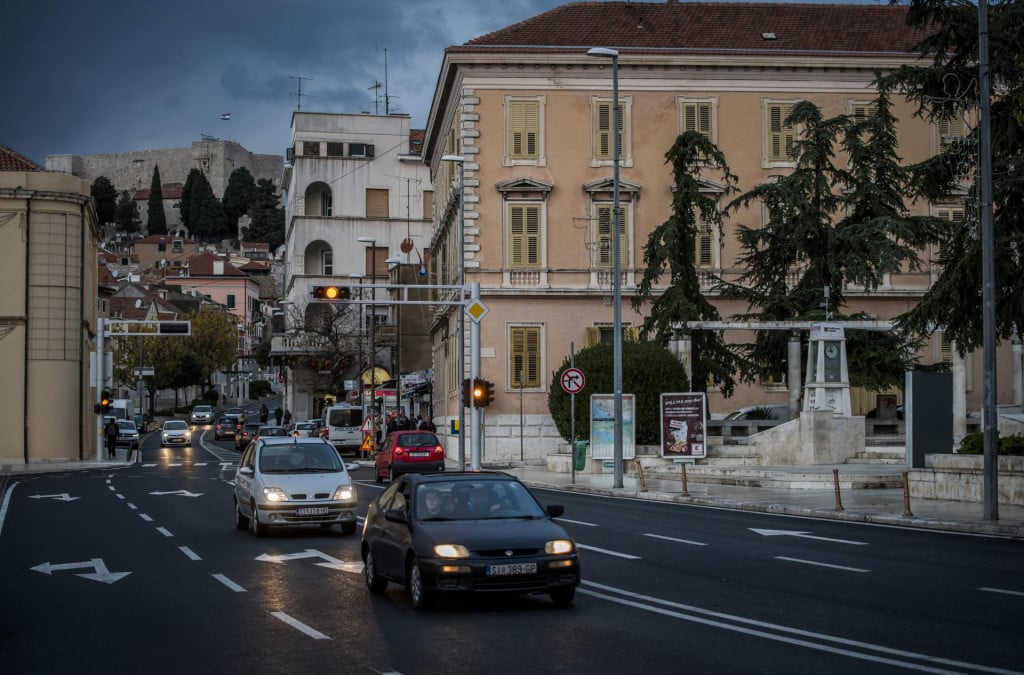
[(530, 113), (48, 252)]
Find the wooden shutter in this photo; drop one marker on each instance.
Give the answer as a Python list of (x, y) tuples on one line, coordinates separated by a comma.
[(428, 204), (524, 356), (524, 235), (603, 131), (524, 129), (593, 336), (945, 349), (781, 137), (376, 203), (697, 117), (605, 252), (950, 130), (702, 246)]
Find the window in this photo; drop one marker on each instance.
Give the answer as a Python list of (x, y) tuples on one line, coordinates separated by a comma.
[(326, 203), (327, 262), (360, 150), (779, 136), (176, 246), (230, 301), (602, 237), (524, 129), (954, 214), (525, 237), (604, 148), (697, 115), (524, 357), (604, 334), (311, 148), (703, 254), (161, 247), (376, 203), (428, 205), (335, 149), (949, 131)]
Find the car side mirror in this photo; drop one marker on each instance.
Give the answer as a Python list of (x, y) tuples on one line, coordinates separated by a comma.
[(555, 510), (245, 470), (396, 516)]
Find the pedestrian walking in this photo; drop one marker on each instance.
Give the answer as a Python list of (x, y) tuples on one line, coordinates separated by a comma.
[(110, 432), (278, 414), (287, 417), (264, 414)]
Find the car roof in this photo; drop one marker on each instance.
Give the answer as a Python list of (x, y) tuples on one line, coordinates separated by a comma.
[(203, 407), (181, 421), (459, 476)]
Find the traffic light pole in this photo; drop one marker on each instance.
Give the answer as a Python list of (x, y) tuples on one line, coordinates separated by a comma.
[(100, 373), (474, 356)]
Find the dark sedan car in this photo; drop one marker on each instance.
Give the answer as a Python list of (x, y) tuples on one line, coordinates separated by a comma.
[(466, 532), (226, 427), (245, 435)]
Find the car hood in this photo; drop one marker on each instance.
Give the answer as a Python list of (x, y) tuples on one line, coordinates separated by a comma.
[(489, 534), (175, 432), (305, 482)]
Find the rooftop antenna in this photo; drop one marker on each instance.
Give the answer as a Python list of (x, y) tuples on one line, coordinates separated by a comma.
[(298, 94), (387, 99), (376, 96)]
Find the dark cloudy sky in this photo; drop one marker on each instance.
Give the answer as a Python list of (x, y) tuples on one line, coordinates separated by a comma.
[(95, 76)]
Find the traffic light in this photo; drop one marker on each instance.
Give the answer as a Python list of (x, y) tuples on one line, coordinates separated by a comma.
[(331, 293), (103, 407), (483, 392), (467, 393)]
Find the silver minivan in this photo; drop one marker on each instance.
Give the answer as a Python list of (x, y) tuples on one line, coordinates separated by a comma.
[(293, 480)]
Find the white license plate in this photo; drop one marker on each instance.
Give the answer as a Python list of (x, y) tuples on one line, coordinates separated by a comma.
[(511, 568), (419, 454), (311, 511)]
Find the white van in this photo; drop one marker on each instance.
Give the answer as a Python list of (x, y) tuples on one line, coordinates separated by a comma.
[(342, 425)]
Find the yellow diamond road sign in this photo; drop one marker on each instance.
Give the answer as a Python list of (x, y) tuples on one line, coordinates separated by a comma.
[(476, 310)]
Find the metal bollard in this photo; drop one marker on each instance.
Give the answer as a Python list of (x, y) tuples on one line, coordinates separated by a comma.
[(906, 496), (640, 475), (835, 481), (686, 493)]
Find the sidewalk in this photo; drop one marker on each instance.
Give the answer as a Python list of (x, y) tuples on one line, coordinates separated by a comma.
[(884, 506)]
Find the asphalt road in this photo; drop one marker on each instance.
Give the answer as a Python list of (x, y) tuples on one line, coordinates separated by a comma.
[(141, 570)]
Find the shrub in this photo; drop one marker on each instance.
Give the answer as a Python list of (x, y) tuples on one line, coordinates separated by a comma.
[(259, 389), (1011, 445), (211, 396), (974, 444)]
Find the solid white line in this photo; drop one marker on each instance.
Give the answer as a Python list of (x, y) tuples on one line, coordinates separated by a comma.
[(3, 507), (199, 464), (132, 506), (164, 531), (681, 541), (298, 625), (189, 552), (119, 495), (853, 644), (576, 522), (820, 564), (1000, 590), (606, 551), (111, 488), (145, 518), (229, 583)]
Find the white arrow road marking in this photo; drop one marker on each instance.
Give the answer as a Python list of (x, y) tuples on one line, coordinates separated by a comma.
[(63, 497), (332, 563), (182, 493), (804, 535), (298, 625), (821, 564), (604, 550), (681, 541), (101, 573)]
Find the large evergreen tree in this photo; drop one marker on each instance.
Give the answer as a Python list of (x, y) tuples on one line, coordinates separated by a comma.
[(671, 249), (238, 195), (185, 203), (127, 213), (105, 196), (157, 219), (947, 88), (206, 215), (267, 216)]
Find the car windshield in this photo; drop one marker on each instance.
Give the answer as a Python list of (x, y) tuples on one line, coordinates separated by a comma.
[(304, 425), (126, 425), (175, 425), (272, 431), (300, 458), (202, 409), (416, 440), (474, 500)]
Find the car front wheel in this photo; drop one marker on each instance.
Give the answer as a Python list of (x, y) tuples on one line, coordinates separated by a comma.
[(375, 583), (418, 593), (241, 522), (258, 528)]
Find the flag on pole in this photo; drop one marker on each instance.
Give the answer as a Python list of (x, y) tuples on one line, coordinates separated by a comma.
[(225, 116)]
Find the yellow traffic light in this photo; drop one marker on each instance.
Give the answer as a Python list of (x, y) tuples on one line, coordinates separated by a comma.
[(330, 293)]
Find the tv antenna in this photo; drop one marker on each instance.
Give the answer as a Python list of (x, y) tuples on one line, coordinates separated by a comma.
[(376, 85), (298, 94)]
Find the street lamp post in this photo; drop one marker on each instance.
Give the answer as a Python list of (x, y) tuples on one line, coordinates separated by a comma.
[(373, 326), (604, 52), (461, 161), (362, 327), (397, 260)]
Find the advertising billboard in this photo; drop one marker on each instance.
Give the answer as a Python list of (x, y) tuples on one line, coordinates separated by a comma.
[(683, 421)]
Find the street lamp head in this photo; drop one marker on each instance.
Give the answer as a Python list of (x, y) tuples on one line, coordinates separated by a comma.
[(395, 260), (453, 158), (604, 52), (367, 240)]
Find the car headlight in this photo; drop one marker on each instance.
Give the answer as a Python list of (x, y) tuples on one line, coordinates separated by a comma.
[(559, 547), (188, 437), (451, 551), (344, 493), (274, 494)]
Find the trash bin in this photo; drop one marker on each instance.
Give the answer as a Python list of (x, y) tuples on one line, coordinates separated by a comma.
[(580, 455)]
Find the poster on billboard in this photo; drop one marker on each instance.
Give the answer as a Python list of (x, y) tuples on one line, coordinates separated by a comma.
[(602, 426), (683, 420)]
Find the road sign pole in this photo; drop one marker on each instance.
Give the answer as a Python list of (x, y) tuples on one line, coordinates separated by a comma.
[(474, 372)]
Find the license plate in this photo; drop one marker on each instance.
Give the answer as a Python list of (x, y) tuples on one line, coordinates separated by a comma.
[(311, 511), (419, 454), (511, 568)]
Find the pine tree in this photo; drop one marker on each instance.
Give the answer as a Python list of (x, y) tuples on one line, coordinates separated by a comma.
[(185, 203), (157, 218), (206, 215), (671, 249), (127, 213), (267, 216), (238, 196), (105, 196)]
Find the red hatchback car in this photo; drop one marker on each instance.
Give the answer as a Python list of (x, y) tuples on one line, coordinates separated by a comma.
[(409, 451)]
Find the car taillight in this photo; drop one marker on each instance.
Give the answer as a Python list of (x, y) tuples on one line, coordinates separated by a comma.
[(399, 450), (438, 451)]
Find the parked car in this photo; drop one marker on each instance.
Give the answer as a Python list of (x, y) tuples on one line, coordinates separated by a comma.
[(175, 432), (293, 481), (127, 434), (269, 430), (202, 414), (408, 451), (466, 532), (246, 434), (306, 428), (226, 427)]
